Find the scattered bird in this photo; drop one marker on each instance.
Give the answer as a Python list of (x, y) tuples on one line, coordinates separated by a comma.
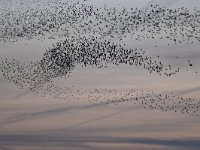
[(92, 36)]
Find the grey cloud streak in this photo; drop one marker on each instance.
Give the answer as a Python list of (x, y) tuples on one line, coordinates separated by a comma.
[(52, 112), (68, 141), (62, 110), (184, 92)]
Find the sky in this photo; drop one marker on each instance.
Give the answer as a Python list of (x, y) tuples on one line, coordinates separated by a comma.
[(44, 121)]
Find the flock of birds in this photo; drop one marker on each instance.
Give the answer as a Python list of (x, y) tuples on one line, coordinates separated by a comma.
[(148, 99), (95, 37), (60, 19)]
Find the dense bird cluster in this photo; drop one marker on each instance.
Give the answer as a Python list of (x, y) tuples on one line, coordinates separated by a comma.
[(60, 19), (91, 51), (36, 81), (60, 61), (39, 19), (94, 37)]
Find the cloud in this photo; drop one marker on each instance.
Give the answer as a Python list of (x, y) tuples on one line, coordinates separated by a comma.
[(98, 118), (63, 110), (136, 128), (20, 95), (51, 112), (85, 141), (183, 92), (4, 148), (31, 116)]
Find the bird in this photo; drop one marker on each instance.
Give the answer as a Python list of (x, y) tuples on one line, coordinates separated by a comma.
[(93, 36)]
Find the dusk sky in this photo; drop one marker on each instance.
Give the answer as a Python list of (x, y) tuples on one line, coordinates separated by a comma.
[(87, 101)]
